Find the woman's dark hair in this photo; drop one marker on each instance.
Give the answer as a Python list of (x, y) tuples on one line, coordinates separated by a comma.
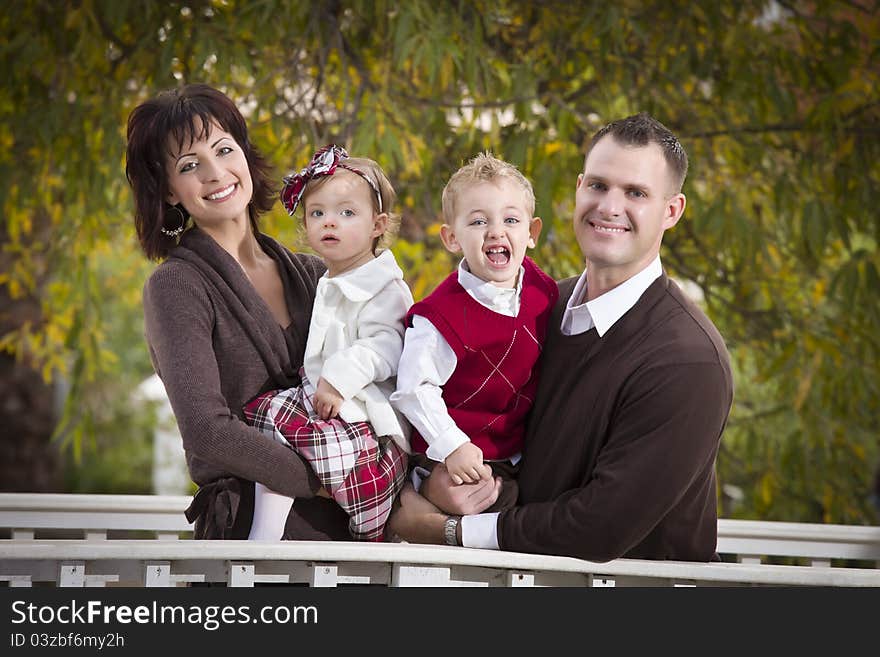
[(183, 114)]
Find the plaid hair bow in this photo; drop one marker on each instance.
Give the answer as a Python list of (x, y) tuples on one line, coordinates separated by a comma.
[(324, 163)]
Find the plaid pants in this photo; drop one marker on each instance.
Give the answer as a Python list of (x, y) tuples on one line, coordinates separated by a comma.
[(362, 472)]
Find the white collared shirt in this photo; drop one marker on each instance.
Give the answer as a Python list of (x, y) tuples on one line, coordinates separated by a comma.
[(604, 311), (428, 361), (481, 531)]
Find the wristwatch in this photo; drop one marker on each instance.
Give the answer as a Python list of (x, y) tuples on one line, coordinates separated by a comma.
[(450, 529)]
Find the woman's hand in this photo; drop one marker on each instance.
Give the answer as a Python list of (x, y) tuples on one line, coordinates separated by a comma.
[(327, 400)]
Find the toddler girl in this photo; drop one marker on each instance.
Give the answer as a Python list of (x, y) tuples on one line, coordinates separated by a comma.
[(339, 418)]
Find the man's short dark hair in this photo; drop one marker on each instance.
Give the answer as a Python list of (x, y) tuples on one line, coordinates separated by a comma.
[(642, 129)]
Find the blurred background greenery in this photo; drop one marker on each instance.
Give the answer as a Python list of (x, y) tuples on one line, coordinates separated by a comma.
[(777, 103)]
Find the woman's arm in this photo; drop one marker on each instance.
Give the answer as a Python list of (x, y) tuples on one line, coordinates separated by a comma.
[(179, 323)]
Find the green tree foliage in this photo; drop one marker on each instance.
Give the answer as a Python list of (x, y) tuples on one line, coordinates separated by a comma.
[(776, 102)]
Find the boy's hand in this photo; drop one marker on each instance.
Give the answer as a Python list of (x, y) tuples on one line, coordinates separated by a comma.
[(327, 400), (466, 465)]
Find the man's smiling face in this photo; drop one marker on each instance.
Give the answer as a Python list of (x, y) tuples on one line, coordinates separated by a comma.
[(623, 204)]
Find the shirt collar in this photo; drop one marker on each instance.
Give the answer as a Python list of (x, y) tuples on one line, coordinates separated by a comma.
[(364, 282), (487, 294), (606, 309)]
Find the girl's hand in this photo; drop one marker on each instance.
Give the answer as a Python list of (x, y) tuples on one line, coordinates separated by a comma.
[(327, 400), (466, 466)]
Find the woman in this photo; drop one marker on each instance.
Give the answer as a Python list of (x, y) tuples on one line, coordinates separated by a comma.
[(226, 313)]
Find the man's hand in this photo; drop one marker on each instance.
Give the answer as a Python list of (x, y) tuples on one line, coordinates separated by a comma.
[(415, 519), (327, 400), (460, 499), (465, 464)]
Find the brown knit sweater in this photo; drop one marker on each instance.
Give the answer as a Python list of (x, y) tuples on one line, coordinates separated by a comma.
[(620, 448), (215, 344)]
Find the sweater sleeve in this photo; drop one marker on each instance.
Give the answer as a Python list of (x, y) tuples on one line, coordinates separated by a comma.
[(179, 320), (664, 437)]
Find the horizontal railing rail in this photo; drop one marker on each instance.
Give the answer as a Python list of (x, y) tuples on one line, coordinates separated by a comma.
[(93, 517), (750, 540), (245, 563), (98, 540)]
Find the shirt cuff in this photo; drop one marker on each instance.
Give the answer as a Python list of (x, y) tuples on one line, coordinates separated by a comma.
[(447, 442), (480, 531)]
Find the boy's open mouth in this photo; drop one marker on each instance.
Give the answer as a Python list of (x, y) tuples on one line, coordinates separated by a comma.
[(498, 255)]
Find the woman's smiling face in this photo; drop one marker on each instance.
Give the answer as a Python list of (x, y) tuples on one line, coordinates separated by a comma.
[(210, 177)]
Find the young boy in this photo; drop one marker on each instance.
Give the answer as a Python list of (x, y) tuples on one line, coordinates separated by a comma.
[(469, 368)]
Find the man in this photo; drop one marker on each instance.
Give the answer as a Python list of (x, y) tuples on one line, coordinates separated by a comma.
[(635, 390)]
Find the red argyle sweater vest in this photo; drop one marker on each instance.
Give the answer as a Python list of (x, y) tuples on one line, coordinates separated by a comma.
[(493, 386)]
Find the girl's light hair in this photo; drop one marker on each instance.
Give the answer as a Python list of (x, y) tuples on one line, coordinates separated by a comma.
[(371, 169), (485, 167)]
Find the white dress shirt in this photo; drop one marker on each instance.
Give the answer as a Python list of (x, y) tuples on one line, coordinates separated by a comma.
[(428, 361), (481, 531)]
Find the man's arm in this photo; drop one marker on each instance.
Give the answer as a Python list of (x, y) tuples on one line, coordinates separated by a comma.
[(417, 520), (665, 435), (658, 448)]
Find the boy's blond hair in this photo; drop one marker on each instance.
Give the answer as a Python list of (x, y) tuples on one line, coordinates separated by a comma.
[(371, 169), (485, 167)]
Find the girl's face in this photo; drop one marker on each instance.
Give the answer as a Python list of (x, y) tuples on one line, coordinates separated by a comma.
[(210, 178), (341, 223)]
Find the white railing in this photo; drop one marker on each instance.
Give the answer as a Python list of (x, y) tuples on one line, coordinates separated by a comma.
[(99, 540), (93, 517)]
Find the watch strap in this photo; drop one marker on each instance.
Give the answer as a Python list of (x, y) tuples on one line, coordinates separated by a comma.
[(450, 530)]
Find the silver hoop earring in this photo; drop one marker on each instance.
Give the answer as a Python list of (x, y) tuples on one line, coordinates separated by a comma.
[(177, 231)]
